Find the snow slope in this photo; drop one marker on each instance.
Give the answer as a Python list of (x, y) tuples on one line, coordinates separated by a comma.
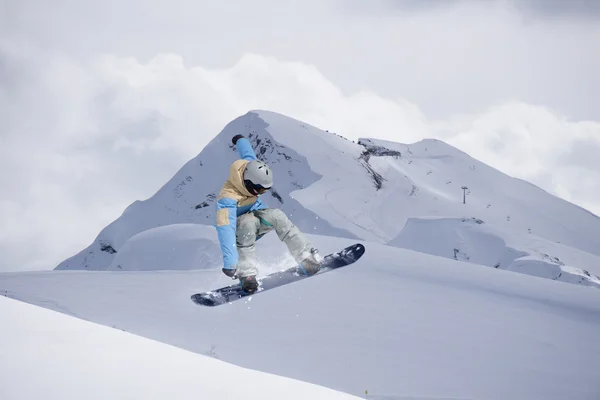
[(329, 185), (398, 323), (179, 247), (472, 240), (49, 355)]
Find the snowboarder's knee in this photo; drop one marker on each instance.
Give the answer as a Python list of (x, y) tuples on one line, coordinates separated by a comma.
[(246, 223)]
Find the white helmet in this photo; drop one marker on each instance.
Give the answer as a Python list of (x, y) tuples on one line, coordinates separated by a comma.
[(258, 177)]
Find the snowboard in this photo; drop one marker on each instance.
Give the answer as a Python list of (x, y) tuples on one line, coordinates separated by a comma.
[(231, 293)]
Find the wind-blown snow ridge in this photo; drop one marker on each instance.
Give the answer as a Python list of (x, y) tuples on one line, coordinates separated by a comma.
[(471, 240), (368, 190)]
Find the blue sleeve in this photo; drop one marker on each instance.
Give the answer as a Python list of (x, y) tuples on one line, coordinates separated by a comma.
[(245, 149), (226, 220)]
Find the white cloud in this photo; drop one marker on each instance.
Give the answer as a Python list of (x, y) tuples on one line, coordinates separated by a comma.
[(450, 57)]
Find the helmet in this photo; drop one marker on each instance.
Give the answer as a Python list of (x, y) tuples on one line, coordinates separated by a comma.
[(258, 177)]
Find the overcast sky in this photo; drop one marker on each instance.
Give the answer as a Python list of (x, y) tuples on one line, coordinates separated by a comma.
[(102, 102)]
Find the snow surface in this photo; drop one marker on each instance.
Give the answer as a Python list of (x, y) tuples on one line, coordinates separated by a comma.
[(398, 323), (434, 309), (49, 355), (372, 190)]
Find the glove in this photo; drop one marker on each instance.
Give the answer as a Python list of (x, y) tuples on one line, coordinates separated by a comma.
[(236, 137), (230, 272)]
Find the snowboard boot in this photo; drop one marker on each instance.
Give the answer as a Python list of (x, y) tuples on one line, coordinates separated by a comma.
[(249, 284), (311, 264)]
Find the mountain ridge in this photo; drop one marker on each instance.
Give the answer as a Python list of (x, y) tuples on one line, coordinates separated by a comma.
[(365, 190)]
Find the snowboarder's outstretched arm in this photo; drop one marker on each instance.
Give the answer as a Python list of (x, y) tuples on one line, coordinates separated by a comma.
[(244, 148)]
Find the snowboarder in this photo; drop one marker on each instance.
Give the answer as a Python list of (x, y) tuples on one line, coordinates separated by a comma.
[(242, 219)]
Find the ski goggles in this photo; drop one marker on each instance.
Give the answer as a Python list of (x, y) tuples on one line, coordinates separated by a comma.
[(254, 188)]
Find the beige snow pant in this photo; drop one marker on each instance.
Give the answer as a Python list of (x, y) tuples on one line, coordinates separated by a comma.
[(253, 225)]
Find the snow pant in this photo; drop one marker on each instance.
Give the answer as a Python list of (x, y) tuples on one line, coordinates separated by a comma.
[(253, 225)]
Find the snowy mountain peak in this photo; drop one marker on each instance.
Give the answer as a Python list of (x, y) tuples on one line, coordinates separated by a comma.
[(416, 196)]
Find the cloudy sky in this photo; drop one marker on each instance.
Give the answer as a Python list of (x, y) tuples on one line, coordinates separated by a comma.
[(102, 102)]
